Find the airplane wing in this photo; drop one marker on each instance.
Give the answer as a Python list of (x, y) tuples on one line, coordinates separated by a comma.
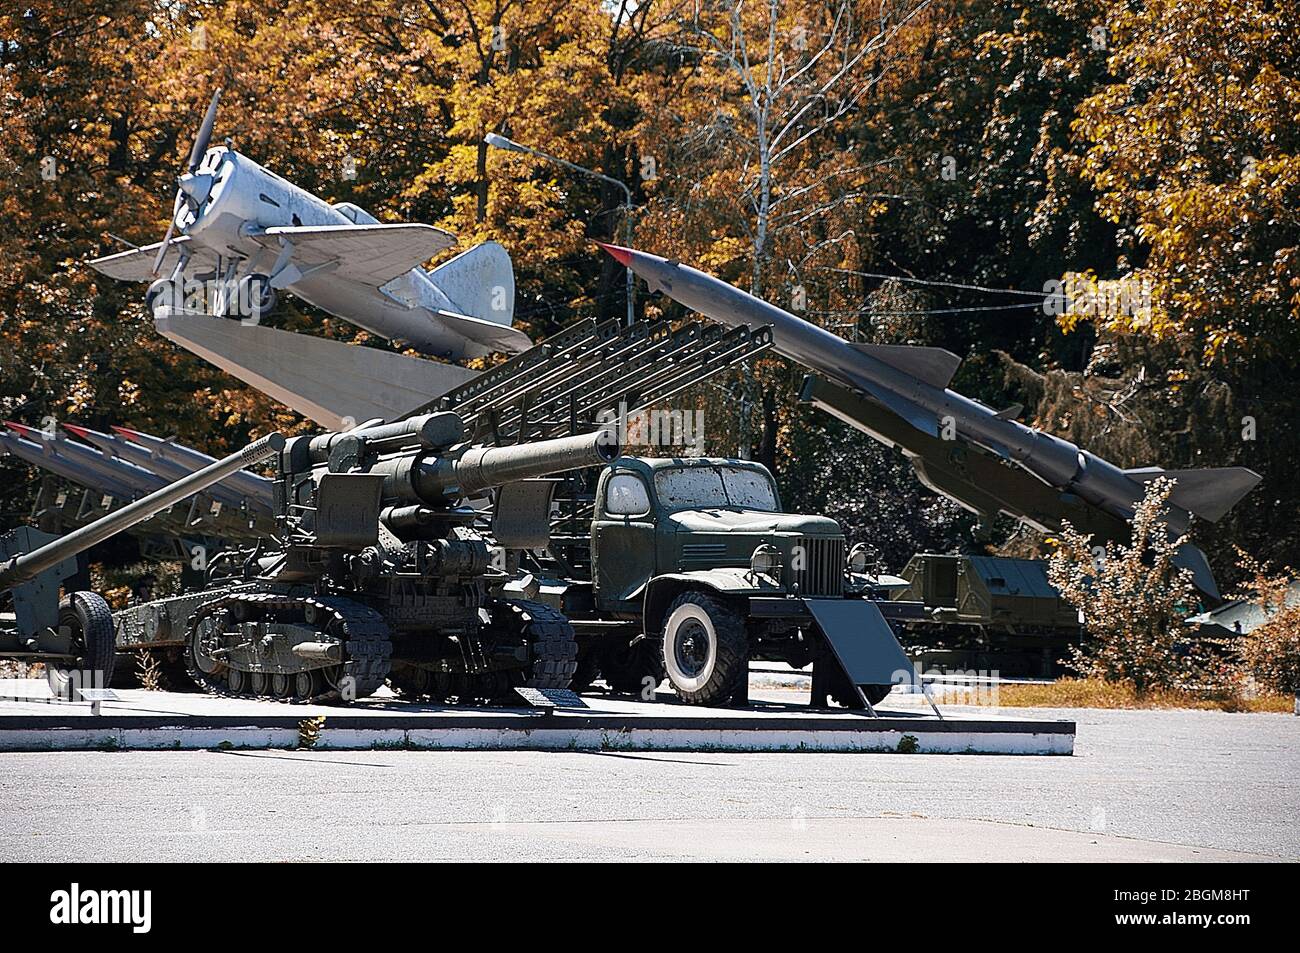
[(370, 254), (137, 264)]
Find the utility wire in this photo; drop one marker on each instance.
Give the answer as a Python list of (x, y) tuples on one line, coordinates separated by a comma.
[(868, 311), (941, 284)]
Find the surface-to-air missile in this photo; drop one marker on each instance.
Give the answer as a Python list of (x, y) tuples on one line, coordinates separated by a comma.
[(76, 634), (877, 387), (135, 454), (379, 570), (40, 453), (86, 465)]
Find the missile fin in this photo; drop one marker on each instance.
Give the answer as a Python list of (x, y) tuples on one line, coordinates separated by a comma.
[(1010, 413), (920, 418), (1189, 557), (1208, 493), (933, 365)]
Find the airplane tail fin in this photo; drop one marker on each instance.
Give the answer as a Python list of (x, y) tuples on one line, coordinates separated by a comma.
[(1208, 493), (480, 283)]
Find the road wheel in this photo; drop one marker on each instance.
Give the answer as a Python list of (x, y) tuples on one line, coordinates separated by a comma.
[(704, 649), (90, 621), (552, 645)]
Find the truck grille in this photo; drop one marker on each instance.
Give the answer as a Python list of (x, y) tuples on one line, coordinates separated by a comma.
[(823, 572)]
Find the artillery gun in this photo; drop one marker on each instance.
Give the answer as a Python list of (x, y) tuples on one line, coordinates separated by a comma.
[(378, 572), (76, 634)]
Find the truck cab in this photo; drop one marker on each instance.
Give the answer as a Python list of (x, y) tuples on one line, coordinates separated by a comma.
[(699, 553)]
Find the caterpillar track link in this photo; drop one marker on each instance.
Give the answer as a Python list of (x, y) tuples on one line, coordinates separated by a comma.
[(289, 648), (552, 659)]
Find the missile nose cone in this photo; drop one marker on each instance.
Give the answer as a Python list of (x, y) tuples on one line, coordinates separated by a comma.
[(79, 431), (126, 432), (21, 429), (620, 254)]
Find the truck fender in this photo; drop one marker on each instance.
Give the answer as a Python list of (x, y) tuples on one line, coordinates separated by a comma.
[(727, 582)]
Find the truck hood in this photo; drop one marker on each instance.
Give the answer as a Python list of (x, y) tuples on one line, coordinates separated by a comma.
[(750, 522)]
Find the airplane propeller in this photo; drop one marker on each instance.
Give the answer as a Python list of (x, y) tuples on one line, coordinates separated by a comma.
[(191, 188)]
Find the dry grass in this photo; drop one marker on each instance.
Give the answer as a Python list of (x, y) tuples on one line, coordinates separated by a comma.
[(1094, 693), (148, 670), (17, 668)]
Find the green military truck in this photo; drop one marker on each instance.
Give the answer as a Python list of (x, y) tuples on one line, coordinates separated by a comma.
[(691, 569), (987, 612)]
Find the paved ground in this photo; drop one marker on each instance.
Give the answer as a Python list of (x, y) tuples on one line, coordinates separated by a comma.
[(1141, 786)]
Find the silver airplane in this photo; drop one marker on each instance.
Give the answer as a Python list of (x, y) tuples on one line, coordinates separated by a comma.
[(240, 228)]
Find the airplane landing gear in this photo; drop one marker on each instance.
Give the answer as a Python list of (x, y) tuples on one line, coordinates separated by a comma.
[(256, 299)]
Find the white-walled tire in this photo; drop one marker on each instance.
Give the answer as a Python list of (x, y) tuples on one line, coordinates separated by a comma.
[(705, 649)]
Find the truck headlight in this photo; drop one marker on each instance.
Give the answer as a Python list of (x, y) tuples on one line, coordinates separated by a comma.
[(766, 559), (859, 558)]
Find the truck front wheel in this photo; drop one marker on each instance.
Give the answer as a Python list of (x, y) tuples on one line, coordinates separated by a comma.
[(705, 649)]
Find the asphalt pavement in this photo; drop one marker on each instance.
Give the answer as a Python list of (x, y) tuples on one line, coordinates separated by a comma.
[(1150, 785)]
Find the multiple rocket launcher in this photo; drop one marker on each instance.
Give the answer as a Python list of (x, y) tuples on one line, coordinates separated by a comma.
[(117, 468)]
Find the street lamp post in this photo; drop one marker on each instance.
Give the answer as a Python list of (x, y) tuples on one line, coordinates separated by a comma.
[(501, 142)]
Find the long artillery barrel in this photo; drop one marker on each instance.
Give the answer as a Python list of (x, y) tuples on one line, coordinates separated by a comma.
[(27, 566), (481, 467), (435, 478)]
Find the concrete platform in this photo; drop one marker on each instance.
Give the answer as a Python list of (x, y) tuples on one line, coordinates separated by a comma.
[(31, 720)]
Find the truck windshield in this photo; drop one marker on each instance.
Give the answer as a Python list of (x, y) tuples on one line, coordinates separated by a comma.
[(705, 487)]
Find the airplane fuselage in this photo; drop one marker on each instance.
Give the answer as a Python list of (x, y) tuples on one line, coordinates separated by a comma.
[(238, 199)]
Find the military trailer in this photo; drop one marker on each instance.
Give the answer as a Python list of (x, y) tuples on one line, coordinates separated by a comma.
[(74, 636), (987, 612), (695, 570)]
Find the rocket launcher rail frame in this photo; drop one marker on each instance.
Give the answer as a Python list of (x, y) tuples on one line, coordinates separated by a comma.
[(28, 566)]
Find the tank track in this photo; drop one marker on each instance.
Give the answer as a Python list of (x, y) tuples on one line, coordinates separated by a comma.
[(367, 648), (553, 659), (551, 643)]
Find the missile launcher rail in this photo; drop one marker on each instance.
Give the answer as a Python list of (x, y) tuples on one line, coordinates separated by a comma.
[(592, 368), (588, 374)]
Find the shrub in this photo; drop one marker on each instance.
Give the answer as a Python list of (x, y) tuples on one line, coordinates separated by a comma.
[(1270, 653), (1134, 602)]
